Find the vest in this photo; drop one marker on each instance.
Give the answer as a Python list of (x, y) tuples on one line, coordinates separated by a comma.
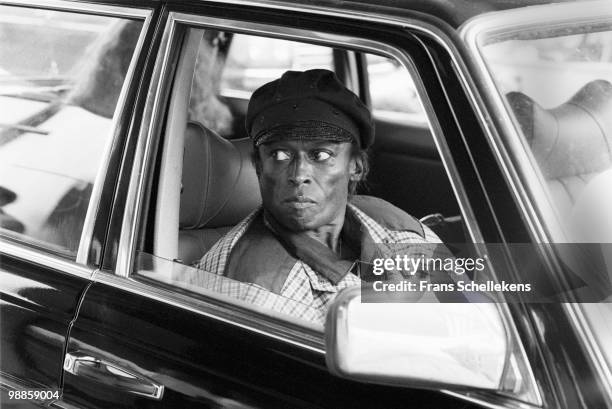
[(260, 257)]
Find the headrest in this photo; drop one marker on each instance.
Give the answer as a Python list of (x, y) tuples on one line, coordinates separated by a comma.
[(220, 186), (574, 138)]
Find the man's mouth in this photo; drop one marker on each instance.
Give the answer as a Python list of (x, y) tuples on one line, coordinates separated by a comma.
[(299, 202)]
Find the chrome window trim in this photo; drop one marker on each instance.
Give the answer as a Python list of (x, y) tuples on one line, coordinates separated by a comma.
[(88, 8), (86, 240), (42, 258), (520, 173), (141, 163), (154, 110)]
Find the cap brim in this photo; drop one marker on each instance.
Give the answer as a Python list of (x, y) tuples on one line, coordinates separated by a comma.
[(305, 130)]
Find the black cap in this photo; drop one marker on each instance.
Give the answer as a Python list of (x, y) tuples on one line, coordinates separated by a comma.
[(310, 104)]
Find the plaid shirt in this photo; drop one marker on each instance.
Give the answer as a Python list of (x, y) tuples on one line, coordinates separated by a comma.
[(305, 293)]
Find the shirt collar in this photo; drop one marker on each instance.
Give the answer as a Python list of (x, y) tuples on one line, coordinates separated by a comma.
[(378, 233), (370, 231)]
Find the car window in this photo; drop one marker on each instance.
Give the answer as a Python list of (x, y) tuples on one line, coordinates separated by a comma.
[(392, 90), (210, 205), (61, 75), (557, 84)]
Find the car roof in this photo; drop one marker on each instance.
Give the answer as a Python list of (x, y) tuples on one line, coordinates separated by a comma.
[(453, 12)]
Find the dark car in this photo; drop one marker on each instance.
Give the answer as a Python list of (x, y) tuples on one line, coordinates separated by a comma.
[(124, 159)]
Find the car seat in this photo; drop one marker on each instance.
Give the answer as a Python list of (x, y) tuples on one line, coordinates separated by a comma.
[(571, 143), (219, 188)]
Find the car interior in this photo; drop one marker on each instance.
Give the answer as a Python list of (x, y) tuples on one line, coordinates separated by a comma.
[(218, 185)]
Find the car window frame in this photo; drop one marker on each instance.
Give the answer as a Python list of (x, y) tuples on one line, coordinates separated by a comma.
[(146, 156), (40, 252)]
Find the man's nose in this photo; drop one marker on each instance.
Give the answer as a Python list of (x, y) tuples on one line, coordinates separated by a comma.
[(300, 172)]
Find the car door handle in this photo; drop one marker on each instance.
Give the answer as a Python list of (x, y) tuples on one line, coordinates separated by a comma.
[(92, 368)]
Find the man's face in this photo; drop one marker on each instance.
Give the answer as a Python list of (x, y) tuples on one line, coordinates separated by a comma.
[(304, 183)]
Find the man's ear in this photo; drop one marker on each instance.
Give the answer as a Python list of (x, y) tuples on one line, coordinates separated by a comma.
[(357, 168)]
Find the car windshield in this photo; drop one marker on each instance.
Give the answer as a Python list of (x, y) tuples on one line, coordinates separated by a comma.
[(555, 80)]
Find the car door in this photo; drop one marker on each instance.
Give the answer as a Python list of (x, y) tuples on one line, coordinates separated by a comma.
[(143, 337), (56, 135)]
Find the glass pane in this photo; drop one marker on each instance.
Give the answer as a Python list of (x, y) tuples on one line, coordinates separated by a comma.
[(550, 69), (558, 85), (60, 78)]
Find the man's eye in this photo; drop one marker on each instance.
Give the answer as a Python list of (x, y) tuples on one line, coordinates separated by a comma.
[(320, 156), (281, 155)]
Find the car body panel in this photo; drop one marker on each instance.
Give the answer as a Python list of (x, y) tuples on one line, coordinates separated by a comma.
[(38, 306), (206, 363)]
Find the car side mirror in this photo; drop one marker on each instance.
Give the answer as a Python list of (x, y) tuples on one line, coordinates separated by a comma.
[(428, 345)]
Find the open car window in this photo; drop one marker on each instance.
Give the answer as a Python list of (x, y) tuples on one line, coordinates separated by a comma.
[(206, 191), (61, 75)]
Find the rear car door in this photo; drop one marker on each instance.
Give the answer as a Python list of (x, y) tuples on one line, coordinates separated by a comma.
[(142, 337), (63, 88)]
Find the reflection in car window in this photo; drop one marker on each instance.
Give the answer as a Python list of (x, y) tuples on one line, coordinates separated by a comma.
[(60, 78), (559, 88), (557, 83)]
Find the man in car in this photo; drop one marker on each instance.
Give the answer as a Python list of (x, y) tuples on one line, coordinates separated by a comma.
[(310, 135)]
